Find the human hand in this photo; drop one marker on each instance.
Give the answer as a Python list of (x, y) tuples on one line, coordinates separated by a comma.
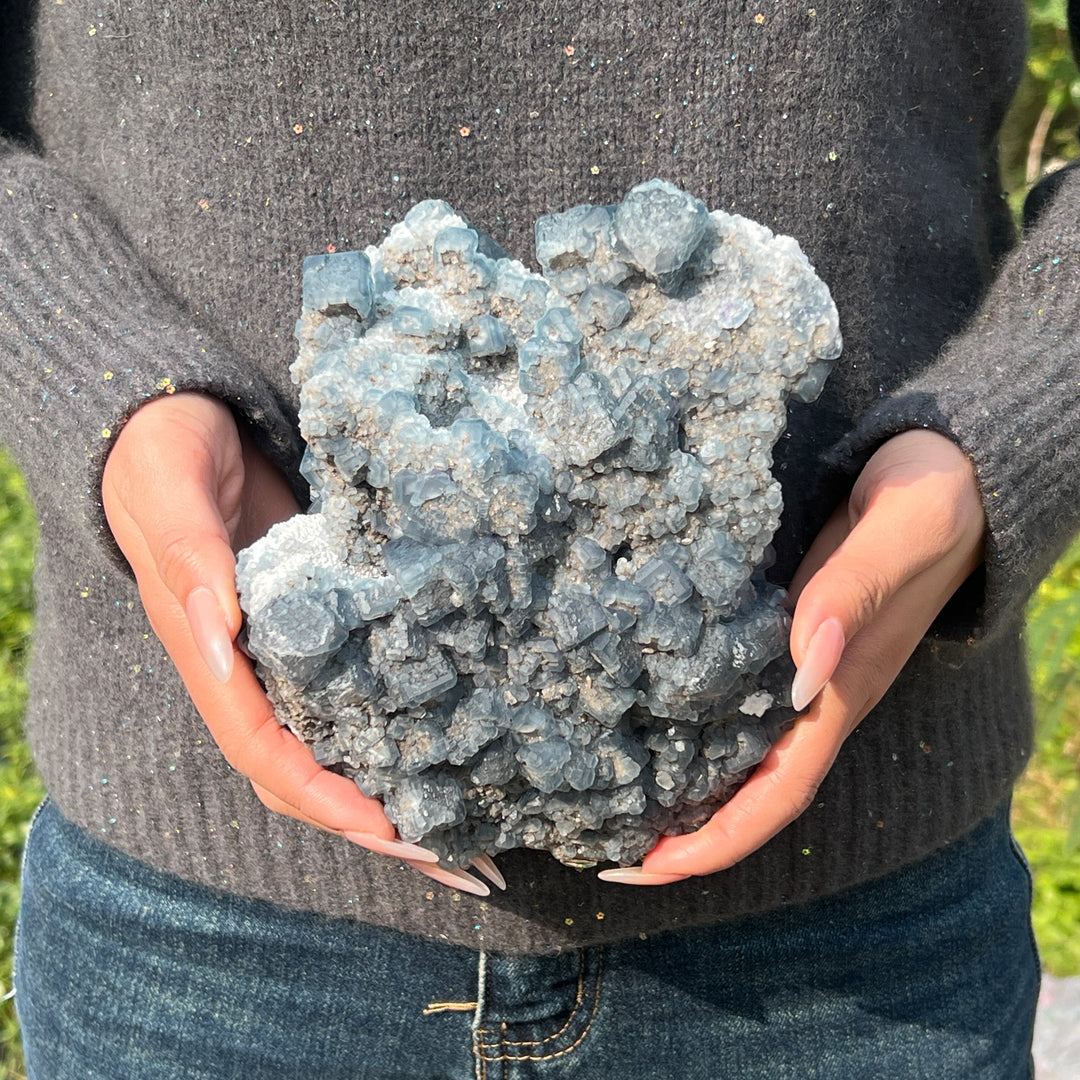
[(871, 584), (183, 488)]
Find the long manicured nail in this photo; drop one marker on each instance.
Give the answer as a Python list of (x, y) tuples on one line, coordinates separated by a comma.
[(456, 879), (397, 849), (486, 865), (634, 875), (211, 634), (822, 655)]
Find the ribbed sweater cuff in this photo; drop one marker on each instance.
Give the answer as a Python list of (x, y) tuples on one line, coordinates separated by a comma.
[(87, 336), (1006, 391)]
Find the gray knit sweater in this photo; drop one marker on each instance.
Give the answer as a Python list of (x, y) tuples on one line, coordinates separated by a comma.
[(171, 164)]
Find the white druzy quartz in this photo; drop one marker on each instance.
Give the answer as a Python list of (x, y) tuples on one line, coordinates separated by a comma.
[(526, 606)]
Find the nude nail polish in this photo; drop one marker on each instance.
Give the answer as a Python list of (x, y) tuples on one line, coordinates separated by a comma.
[(486, 866), (819, 664), (455, 879), (395, 848), (634, 875), (211, 634)]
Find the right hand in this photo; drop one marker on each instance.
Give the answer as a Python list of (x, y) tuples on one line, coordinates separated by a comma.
[(184, 488), (872, 583)]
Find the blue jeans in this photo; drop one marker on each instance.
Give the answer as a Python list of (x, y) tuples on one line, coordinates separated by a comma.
[(124, 973)]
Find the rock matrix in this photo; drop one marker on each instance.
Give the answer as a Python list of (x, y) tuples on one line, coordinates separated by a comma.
[(527, 605)]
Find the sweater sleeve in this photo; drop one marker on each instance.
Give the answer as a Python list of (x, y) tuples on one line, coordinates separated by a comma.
[(87, 336), (1007, 390)]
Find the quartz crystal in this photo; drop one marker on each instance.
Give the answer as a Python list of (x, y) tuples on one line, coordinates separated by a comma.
[(527, 605)]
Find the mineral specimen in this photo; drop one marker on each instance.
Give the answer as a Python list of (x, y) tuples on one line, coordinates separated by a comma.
[(527, 604)]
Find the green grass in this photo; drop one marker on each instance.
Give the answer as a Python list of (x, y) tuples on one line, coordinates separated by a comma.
[(20, 789), (1040, 135), (1046, 814)]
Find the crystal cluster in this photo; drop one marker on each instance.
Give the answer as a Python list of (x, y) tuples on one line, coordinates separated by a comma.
[(527, 604)]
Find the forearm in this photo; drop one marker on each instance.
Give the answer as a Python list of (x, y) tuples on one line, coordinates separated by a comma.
[(87, 336), (1006, 391)]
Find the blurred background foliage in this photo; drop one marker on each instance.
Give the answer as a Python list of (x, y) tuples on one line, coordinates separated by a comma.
[(1040, 135), (20, 790)]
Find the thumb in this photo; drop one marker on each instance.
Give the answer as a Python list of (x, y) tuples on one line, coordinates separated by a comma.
[(851, 584), (914, 514), (174, 473)]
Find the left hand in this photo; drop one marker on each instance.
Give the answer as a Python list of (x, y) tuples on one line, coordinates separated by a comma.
[(873, 581), (183, 488)]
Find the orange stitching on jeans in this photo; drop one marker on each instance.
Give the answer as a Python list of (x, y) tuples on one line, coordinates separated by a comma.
[(579, 997), (448, 1006), (558, 1053), (577, 1005), (503, 1041)]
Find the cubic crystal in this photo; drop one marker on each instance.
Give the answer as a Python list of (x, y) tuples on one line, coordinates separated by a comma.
[(527, 606)]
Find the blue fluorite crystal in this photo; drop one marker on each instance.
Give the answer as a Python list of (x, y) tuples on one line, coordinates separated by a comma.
[(527, 607), (339, 281)]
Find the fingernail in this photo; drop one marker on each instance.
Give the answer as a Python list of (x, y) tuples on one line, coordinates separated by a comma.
[(486, 865), (822, 655), (210, 632), (456, 879), (396, 848), (634, 875)]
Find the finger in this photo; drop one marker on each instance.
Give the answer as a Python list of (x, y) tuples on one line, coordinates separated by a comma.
[(834, 599), (636, 875), (210, 631), (914, 504), (242, 722), (872, 660), (778, 791), (486, 865), (455, 879), (784, 785), (891, 547), (411, 853), (199, 622), (832, 535), (883, 550), (820, 659), (279, 806), (394, 848), (190, 548), (397, 849), (175, 466)]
